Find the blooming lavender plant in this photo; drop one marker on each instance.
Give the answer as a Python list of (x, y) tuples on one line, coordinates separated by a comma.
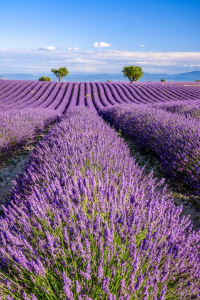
[(190, 108), (86, 223), (20, 127), (173, 138)]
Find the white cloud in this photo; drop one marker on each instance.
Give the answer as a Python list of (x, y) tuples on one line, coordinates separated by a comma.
[(195, 65), (80, 60), (142, 45), (47, 48), (72, 48), (98, 60), (101, 45), (76, 60), (154, 63), (3, 49)]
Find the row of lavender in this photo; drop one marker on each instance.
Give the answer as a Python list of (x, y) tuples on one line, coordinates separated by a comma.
[(63, 96), (86, 223), (20, 127), (172, 137), (188, 108)]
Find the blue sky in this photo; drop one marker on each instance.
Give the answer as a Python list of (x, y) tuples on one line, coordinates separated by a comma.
[(99, 36)]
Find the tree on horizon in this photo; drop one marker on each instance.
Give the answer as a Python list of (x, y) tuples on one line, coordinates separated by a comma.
[(60, 73), (133, 73)]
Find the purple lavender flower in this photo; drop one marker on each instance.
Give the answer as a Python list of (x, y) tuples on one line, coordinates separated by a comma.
[(67, 284)]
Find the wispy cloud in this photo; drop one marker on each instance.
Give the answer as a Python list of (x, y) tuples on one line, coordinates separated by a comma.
[(100, 45), (7, 59), (195, 65), (98, 60), (47, 48), (72, 48), (142, 45), (76, 60)]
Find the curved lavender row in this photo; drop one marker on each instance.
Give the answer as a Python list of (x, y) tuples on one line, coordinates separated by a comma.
[(24, 96), (162, 94), (27, 102), (177, 93), (5, 86), (151, 95), (145, 98), (121, 93), (66, 99), (108, 94), (128, 94), (170, 93), (95, 97), (44, 96), (19, 127), (73, 100), (134, 94), (115, 94), (12, 87), (156, 93), (188, 89), (22, 92), (85, 221), (14, 91), (52, 96), (30, 97), (88, 98), (174, 139), (102, 95), (187, 108), (58, 99)]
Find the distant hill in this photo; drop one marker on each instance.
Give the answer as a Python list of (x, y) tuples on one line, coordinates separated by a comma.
[(20, 76), (189, 76)]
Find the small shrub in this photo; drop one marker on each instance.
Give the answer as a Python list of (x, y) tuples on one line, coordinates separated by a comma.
[(45, 79), (162, 80)]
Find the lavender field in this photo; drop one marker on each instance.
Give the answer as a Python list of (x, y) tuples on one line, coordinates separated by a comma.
[(83, 220), (61, 97)]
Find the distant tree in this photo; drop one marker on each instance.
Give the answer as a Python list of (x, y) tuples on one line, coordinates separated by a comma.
[(109, 81), (162, 80), (197, 80), (62, 72), (133, 73), (45, 79)]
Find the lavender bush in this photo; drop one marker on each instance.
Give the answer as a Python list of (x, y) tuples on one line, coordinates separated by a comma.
[(86, 223), (174, 139), (20, 127), (188, 108)]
